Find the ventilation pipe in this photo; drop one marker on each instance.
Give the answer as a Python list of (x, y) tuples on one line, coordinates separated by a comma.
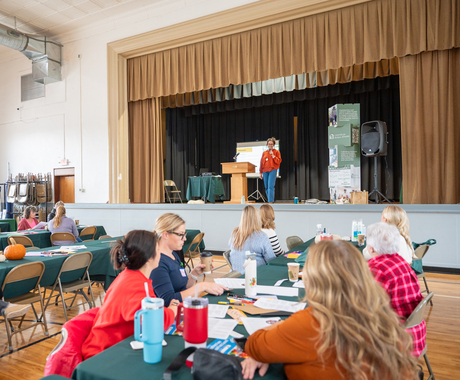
[(45, 55)]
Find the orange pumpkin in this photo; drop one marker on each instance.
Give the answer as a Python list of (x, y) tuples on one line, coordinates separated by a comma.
[(15, 252)]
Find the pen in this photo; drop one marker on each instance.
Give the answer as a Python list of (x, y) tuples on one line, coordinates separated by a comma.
[(223, 303)]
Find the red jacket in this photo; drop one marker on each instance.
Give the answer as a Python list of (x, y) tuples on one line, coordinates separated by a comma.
[(269, 163), (115, 319)]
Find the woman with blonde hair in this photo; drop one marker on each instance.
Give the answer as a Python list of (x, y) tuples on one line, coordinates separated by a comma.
[(396, 216), (267, 217), (61, 223), (29, 220), (348, 330), (248, 236), (170, 279)]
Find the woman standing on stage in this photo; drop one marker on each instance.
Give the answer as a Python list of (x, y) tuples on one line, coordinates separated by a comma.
[(269, 165)]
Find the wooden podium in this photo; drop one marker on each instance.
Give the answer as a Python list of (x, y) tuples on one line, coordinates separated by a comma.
[(238, 171)]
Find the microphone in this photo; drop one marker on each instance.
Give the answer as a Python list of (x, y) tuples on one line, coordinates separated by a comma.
[(236, 155)]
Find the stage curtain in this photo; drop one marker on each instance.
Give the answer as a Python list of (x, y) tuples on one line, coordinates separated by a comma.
[(430, 113), (368, 32), (145, 152), (354, 73), (205, 141), (379, 100)]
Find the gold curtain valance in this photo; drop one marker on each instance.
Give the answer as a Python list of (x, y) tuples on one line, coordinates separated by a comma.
[(369, 32)]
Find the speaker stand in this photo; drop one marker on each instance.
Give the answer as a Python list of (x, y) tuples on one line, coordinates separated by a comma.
[(257, 194), (376, 190)]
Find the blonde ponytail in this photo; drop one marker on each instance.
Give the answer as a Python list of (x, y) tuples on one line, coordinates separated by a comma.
[(58, 218)]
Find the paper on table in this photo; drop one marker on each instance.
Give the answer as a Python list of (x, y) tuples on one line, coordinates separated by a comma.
[(40, 226), (217, 311), (72, 248), (290, 307), (298, 284), (231, 283), (254, 324), (278, 291), (220, 328)]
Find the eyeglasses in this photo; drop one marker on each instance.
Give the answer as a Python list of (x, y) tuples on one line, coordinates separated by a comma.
[(182, 236)]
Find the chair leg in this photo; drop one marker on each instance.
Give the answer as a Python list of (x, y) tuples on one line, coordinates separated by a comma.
[(8, 334), (427, 290), (43, 312), (91, 290), (430, 371), (63, 300)]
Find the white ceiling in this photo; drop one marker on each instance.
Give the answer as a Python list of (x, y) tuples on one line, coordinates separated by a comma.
[(58, 17)]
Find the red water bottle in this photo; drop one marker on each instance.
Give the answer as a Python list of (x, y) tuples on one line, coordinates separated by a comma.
[(195, 327)]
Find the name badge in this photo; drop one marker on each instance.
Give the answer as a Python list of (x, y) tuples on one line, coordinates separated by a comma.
[(182, 272)]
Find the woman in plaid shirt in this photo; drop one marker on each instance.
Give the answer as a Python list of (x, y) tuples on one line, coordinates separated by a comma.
[(396, 277)]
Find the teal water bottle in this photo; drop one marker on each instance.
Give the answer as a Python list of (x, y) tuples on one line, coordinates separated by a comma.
[(148, 328)]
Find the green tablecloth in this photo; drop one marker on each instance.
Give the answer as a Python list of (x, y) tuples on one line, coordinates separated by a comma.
[(190, 236), (5, 227), (417, 265), (12, 222), (207, 187), (100, 266), (121, 362), (41, 238)]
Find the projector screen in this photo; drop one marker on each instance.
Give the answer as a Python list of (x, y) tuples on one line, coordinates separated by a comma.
[(252, 152)]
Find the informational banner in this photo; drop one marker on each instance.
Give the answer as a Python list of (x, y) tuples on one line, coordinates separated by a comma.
[(344, 152)]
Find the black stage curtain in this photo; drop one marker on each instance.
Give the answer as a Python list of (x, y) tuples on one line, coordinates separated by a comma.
[(205, 141), (203, 136)]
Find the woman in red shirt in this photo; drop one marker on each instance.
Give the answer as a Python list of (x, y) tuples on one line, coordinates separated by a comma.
[(29, 220), (138, 255), (269, 165)]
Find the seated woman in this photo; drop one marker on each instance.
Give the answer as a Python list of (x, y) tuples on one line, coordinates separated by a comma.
[(267, 217), (396, 216), (52, 214), (61, 223), (348, 331), (29, 220), (170, 280), (248, 236), (138, 255), (396, 277)]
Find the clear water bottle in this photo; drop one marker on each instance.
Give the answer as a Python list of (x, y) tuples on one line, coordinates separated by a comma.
[(319, 229), (243, 200)]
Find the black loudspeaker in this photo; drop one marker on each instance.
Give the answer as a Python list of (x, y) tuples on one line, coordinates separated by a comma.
[(374, 138)]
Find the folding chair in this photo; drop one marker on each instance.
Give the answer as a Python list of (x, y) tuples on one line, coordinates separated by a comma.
[(105, 237), (293, 241), (62, 236), (88, 233), (420, 252), (172, 194), (73, 278), (24, 240), (30, 274), (226, 255), (415, 319), (232, 274), (193, 250)]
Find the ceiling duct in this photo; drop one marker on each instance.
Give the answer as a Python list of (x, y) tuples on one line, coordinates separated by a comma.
[(45, 55)]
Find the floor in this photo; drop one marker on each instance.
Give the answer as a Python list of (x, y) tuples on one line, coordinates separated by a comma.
[(31, 347)]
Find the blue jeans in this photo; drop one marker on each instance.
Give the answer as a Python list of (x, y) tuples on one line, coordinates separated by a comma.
[(78, 240), (269, 182)]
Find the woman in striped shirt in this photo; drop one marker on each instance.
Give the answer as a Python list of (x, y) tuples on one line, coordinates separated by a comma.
[(267, 216)]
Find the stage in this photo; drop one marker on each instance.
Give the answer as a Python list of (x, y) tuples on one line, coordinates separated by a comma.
[(217, 221)]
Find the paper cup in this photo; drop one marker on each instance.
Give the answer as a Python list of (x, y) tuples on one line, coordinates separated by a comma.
[(361, 238), (206, 259), (293, 271)]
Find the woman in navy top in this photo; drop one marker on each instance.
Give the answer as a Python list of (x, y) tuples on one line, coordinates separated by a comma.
[(170, 279)]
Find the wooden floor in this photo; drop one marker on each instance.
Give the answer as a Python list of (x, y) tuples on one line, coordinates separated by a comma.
[(31, 347)]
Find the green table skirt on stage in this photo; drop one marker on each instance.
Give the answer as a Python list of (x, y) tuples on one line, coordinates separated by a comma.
[(101, 266), (417, 265), (207, 187), (41, 238), (121, 362)]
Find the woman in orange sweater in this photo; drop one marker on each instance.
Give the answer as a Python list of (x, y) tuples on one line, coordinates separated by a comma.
[(349, 330), (269, 165)]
